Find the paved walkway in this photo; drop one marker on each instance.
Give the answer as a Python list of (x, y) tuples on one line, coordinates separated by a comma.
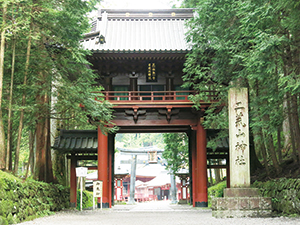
[(152, 213)]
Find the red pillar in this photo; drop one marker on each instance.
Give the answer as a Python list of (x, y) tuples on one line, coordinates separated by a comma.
[(194, 167), (73, 183), (202, 167), (110, 169), (103, 167)]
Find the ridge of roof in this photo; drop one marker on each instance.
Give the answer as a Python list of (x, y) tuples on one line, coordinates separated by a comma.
[(147, 13)]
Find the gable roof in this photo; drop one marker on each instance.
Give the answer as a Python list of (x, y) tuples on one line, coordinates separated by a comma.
[(137, 31)]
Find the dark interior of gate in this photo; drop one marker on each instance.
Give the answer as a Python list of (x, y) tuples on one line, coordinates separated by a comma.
[(139, 57)]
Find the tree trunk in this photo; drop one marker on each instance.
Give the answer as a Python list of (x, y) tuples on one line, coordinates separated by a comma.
[(23, 104), (295, 122), (49, 170), (9, 122), (286, 126), (258, 143), (254, 162), (210, 174), (2, 49), (270, 146), (279, 150), (41, 142), (59, 164), (217, 173), (262, 148), (293, 136), (31, 152)]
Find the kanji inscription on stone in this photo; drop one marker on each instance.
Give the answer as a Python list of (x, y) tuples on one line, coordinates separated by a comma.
[(239, 138)]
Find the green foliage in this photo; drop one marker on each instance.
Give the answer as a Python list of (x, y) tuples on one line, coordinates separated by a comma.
[(176, 151), (252, 44), (140, 140), (87, 199), (285, 194), (21, 201), (57, 69), (3, 221), (216, 191)]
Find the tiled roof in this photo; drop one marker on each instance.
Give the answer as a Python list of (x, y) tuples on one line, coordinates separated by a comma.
[(139, 31), (86, 141), (77, 141)]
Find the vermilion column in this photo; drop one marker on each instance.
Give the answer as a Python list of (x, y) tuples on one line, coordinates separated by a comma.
[(73, 183), (103, 168), (194, 167), (202, 167), (110, 169)]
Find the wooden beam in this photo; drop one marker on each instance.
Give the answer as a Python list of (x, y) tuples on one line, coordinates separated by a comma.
[(173, 122), (216, 166)]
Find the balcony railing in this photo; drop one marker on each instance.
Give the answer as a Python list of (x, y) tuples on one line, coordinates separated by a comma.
[(119, 97)]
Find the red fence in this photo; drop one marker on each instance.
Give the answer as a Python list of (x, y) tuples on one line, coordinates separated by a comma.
[(151, 96)]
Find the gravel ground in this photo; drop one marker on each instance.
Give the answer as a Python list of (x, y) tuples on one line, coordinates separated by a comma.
[(150, 213)]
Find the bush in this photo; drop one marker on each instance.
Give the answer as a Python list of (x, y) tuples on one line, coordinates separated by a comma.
[(21, 200), (3, 221), (216, 191), (87, 199)]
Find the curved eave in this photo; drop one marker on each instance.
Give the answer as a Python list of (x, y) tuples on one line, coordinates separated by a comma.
[(126, 51), (102, 54)]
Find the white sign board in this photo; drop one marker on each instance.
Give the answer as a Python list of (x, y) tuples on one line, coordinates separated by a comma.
[(81, 171), (97, 188)]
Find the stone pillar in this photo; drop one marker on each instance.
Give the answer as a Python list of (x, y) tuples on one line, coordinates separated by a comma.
[(103, 169), (239, 138), (201, 200), (239, 200), (132, 179), (73, 182)]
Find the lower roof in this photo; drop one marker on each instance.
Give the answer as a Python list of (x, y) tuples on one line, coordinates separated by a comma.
[(86, 141)]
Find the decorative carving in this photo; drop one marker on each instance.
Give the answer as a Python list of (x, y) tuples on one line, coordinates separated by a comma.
[(168, 112), (135, 112)]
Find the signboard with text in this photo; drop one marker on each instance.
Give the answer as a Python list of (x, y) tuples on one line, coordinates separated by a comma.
[(81, 171), (97, 188)]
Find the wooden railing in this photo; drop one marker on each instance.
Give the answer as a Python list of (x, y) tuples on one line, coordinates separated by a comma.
[(150, 96)]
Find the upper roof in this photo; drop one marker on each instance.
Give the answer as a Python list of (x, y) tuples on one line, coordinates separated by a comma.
[(144, 30)]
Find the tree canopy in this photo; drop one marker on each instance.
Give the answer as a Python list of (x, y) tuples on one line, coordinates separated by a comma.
[(252, 44), (45, 76)]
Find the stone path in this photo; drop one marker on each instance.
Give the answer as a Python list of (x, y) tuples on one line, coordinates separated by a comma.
[(152, 213)]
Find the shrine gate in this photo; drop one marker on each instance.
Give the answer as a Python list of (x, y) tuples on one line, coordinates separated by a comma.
[(139, 56)]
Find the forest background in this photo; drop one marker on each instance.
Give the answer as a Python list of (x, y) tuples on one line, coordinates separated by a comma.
[(44, 75)]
